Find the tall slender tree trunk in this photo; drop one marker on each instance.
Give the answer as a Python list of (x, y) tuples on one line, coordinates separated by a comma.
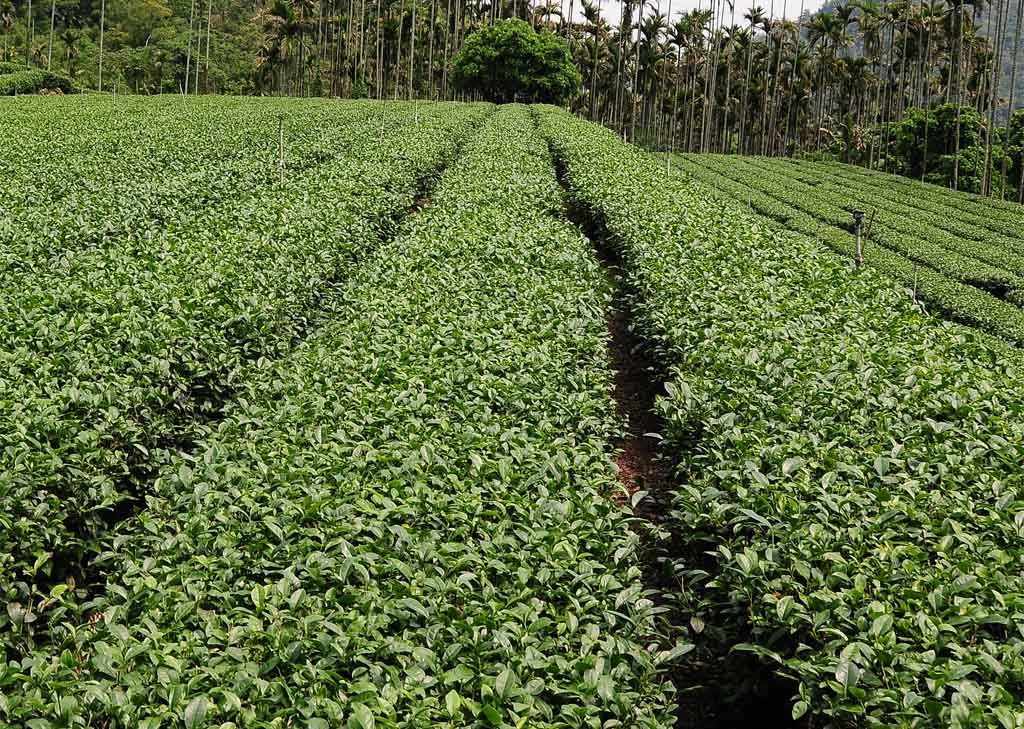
[(711, 71), (1013, 88), (619, 120), (199, 46), (364, 26), (379, 55), (768, 39), (28, 34), (188, 46), (594, 69), (887, 93), (903, 86), (209, 24), (926, 95), (398, 54), (636, 72), (997, 46), (792, 77), (103, 18), (431, 91), (959, 93), (447, 33), (728, 79), (49, 47), (412, 50), (746, 90), (771, 114), (666, 78)]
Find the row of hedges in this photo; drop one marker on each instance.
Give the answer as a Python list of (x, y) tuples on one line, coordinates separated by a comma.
[(31, 81), (850, 470)]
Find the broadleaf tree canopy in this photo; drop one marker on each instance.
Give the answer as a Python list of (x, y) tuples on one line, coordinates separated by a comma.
[(510, 61)]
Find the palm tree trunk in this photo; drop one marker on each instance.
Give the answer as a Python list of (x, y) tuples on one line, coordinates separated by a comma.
[(746, 90), (1013, 84), (49, 48), (711, 72), (412, 50), (360, 69), (617, 103), (378, 54), (636, 72), (209, 24), (792, 77), (773, 106), (593, 68), (959, 94), (447, 33), (398, 56), (887, 94), (997, 45), (903, 86), (28, 35), (103, 18), (762, 143), (675, 99), (728, 79), (927, 96), (430, 90), (188, 52), (199, 43)]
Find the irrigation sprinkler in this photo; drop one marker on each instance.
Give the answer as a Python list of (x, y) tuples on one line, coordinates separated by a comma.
[(858, 219)]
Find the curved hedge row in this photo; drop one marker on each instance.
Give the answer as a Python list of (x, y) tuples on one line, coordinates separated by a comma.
[(897, 212), (851, 468), (34, 80), (906, 231), (405, 522), (941, 292), (947, 212), (1008, 213)]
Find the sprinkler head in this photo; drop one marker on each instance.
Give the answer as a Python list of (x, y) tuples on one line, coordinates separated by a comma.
[(858, 216)]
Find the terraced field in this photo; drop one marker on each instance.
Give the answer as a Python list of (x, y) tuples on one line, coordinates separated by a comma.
[(334, 442)]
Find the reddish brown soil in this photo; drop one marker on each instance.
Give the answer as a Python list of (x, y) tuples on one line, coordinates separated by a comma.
[(636, 389), (704, 690)]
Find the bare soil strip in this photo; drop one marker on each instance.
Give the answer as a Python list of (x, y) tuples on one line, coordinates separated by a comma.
[(715, 689)]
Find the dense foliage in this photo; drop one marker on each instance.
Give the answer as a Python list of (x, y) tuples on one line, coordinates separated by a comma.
[(128, 333), (714, 78), (933, 144), (510, 61), (403, 520), (31, 82), (17, 79), (849, 468), (963, 255)]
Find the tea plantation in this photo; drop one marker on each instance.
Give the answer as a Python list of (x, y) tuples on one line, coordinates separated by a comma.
[(308, 418)]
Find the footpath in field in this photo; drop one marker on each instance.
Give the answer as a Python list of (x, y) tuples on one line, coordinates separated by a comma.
[(960, 268), (714, 689), (403, 522), (128, 350), (848, 500)]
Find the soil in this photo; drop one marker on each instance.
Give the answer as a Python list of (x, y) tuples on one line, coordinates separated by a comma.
[(715, 689)]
